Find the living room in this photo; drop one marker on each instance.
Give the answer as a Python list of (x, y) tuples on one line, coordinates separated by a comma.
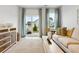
[(67, 16)]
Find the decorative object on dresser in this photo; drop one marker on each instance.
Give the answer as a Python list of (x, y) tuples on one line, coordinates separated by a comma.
[(7, 38)]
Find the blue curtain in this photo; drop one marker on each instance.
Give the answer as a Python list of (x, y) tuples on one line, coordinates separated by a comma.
[(58, 17), (23, 23), (46, 23), (40, 21)]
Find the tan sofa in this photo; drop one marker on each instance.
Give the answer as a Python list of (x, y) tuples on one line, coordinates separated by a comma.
[(68, 44)]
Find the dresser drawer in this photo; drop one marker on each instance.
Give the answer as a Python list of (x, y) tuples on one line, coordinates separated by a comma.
[(4, 41), (4, 47), (4, 35)]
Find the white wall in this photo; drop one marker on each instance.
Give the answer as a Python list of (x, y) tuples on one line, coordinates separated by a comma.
[(31, 12), (43, 21), (9, 14), (69, 16)]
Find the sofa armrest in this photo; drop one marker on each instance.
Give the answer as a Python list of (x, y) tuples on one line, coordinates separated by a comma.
[(72, 43)]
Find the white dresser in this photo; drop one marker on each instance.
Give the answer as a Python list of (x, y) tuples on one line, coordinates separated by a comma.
[(7, 38)]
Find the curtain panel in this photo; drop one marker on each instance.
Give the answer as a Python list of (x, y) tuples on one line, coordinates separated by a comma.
[(40, 21), (22, 21)]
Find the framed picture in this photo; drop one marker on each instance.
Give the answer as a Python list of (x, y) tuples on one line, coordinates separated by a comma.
[(77, 16)]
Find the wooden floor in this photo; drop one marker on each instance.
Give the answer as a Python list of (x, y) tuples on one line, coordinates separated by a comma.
[(34, 45), (28, 45)]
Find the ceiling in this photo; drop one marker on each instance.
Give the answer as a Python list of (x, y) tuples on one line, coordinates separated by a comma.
[(39, 6)]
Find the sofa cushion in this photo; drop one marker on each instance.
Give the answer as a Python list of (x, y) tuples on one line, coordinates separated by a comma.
[(74, 48), (65, 40), (75, 34), (56, 36)]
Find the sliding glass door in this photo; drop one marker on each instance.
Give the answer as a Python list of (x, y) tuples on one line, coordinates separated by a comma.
[(52, 18), (32, 22)]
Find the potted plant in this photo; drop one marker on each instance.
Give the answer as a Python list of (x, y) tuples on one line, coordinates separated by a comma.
[(35, 28)]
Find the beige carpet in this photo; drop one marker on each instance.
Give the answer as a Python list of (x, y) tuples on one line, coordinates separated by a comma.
[(28, 45)]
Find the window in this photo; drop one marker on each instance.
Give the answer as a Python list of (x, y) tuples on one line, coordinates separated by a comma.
[(32, 19), (30, 22), (52, 18)]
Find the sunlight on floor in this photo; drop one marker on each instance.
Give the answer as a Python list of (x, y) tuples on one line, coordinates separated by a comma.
[(28, 45)]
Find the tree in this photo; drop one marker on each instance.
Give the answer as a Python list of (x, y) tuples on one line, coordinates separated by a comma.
[(35, 28)]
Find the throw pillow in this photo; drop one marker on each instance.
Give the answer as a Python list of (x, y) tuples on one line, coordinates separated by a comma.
[(69, 32), (75, 34), (64, 31), (58, 32)]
